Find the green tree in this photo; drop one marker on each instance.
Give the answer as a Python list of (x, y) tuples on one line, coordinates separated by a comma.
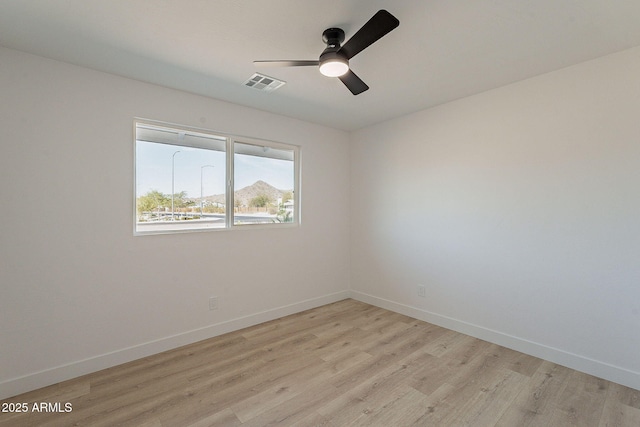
[(152, 200), (283, 216), (179, 200), (260, 201), (286, 196)]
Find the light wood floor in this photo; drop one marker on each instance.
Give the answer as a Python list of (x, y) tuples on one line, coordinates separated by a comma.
[(344, 364)]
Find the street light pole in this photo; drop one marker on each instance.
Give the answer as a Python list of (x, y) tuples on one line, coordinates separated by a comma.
[(173, 181), (201, 191)]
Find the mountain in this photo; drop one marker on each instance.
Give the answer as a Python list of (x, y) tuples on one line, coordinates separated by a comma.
[(244, 195)]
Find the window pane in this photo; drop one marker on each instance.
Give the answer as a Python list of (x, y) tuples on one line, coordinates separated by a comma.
[(180, 180), (264, 178)]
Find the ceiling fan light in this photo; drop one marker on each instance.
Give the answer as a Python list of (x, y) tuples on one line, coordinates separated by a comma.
[(334, 67)]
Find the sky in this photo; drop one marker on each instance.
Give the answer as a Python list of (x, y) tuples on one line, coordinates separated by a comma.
[(197, 170)]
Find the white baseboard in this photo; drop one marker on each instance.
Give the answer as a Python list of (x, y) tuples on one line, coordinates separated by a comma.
[(574, 361), (57, 374)]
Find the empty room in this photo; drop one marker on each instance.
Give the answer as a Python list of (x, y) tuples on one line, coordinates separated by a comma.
[(302, 213)]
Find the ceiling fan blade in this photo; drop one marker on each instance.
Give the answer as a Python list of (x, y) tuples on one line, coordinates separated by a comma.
[(353, 83), (286, 63), (378, 26)]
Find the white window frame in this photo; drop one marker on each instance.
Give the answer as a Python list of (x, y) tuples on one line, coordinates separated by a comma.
[(230, 141)]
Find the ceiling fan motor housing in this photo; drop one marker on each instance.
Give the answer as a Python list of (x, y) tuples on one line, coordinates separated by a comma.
[(333, 63), (333, 55), (333, 37)]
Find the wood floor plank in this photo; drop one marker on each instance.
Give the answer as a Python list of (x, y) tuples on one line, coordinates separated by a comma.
[(582, 401), (347, 360), (625, 395), (431, 377), (464, 350), (403, 406), (535, 403), (491, 402), (224, 418), (318, 393), (347, 363), (314, 419), (616, 413), (257, 404), (374, 392), (437, 406)]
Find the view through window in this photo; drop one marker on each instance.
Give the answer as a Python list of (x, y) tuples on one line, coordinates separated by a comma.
[(184, 181), (266, 177)]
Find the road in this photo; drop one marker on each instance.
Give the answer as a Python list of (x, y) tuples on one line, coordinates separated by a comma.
[(211, 221)]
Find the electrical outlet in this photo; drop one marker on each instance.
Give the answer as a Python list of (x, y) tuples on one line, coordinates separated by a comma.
[(213, 303), (422, 291)]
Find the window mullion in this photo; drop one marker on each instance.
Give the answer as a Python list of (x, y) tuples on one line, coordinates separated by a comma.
[(230, 211)]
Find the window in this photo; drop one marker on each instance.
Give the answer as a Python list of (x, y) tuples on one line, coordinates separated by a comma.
[(266, 178), (194, 180)]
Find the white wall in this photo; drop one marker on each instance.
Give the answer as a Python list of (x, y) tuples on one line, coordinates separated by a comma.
[(78, 292), (518, 209)]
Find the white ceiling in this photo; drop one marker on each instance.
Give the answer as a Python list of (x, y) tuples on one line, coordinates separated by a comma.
[(442, 50)]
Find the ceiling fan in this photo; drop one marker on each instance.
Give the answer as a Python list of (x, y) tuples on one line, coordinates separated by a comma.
[(334, 60)]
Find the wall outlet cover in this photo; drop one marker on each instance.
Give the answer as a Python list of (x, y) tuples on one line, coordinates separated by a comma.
[(422, 291)]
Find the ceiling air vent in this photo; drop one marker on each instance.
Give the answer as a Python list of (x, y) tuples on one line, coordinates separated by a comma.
[(264, 83)]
